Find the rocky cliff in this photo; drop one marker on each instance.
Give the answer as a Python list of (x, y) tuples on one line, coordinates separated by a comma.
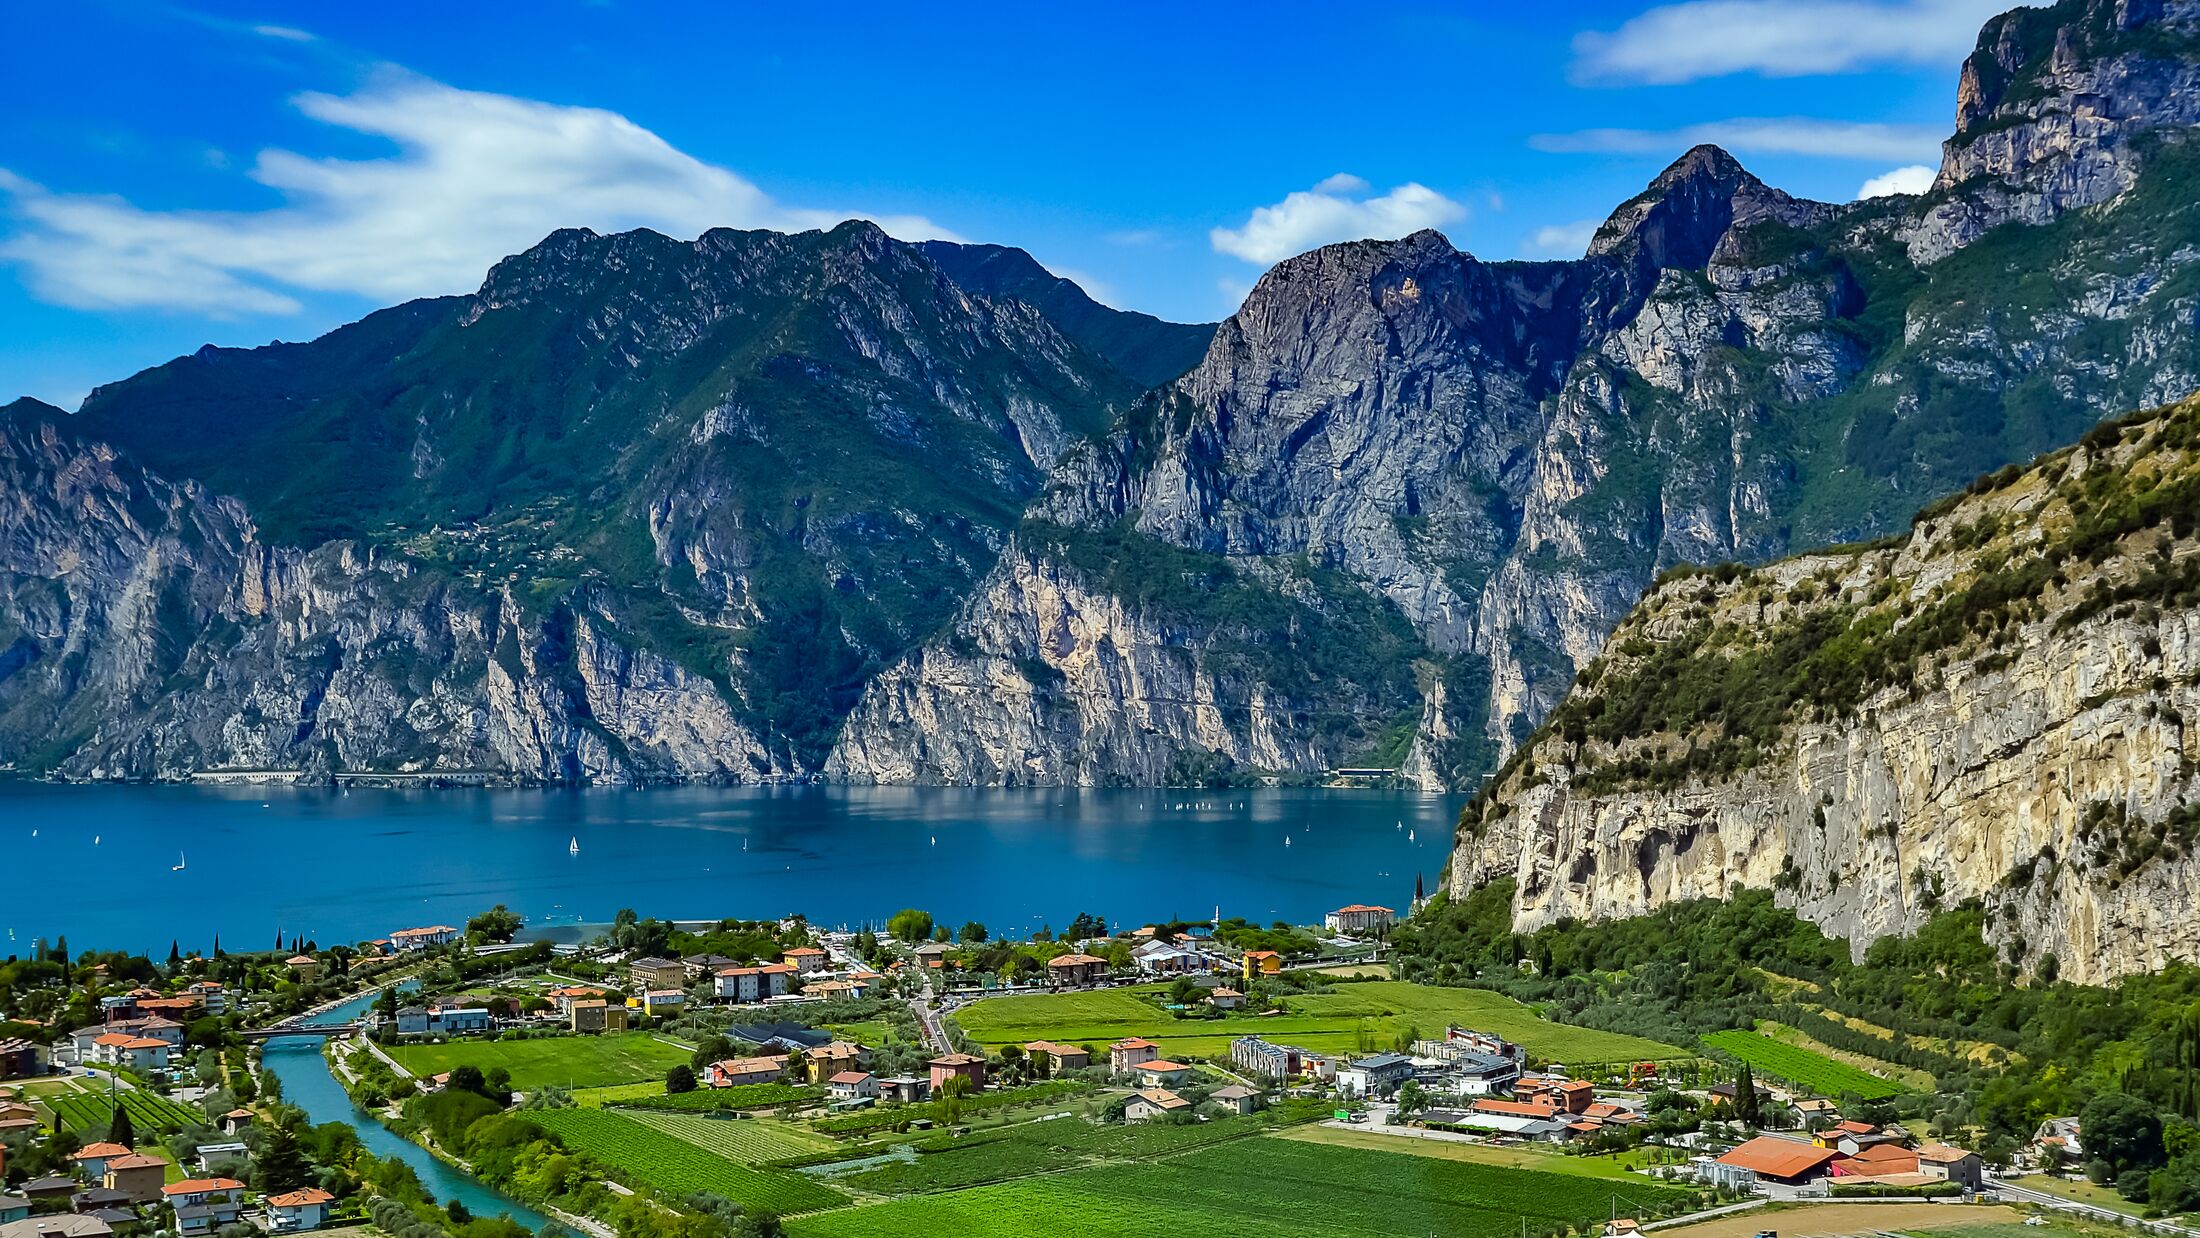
[(147, 631), (638, 508), (1992, 706), (1508, 453)]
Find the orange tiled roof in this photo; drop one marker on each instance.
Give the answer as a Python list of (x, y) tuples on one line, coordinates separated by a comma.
[(1357, 907), (201, 1186), (134, 1161), (1162, 1064), (95, 1151), (1778, 1158), (300, 1199)]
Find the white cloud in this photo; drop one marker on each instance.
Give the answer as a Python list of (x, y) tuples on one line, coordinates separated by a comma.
[(1337, 209), (1917, 178), (1234, 292), (1562, 240), (1779, 38), (1790, 135), (475, 177), (1135, 236), (288, 34)]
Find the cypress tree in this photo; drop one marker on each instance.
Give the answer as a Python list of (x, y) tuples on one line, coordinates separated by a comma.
[(1745, 1097)]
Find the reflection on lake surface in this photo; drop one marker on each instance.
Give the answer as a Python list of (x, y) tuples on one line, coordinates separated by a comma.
[(345, 866)]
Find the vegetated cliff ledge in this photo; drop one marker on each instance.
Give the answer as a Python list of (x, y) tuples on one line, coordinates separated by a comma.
[(1994, 706)]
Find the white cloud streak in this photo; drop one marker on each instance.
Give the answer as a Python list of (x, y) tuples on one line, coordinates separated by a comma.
[(1337, 209), (1916, 178), (475, 177), (1697, 39), (1562, 240), (1791, 135)]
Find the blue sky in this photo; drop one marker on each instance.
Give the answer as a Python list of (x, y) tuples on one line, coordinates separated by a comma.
[(174, 176)]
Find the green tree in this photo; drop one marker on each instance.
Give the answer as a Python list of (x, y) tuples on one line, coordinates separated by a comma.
[(468, 1078), (122, 1130), (909, 924), (713, 1048), (953, 1091), (680, 1079), (1412, 1098), (1747, 1108), (972, 931), (499, 923), (2122, 1130), (280, 1165)]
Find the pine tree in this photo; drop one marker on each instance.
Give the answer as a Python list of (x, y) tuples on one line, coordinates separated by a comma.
[(218, 947), (175, 954), (280, 1166), (122, 1130)]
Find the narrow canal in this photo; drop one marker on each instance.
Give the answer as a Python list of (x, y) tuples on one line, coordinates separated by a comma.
[(309, 1083)]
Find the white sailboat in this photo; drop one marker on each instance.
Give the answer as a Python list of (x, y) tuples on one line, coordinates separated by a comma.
[(573, 847), (179, 863)]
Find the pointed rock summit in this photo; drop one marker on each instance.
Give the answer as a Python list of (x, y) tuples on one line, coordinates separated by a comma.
[(1690, 207)]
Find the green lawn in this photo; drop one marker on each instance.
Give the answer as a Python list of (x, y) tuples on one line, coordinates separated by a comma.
[(1326, 1022), (1255, 1188), (563, 1061)]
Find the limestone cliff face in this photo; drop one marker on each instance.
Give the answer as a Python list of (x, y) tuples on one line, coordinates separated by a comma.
[(1993, 707), (146, 631), (1051, 682), (2052, 112)]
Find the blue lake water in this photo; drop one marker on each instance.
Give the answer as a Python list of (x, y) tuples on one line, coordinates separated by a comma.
[(258, 861), (308, 1084)]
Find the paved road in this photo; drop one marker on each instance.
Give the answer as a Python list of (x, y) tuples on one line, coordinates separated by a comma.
[(2010, 1190), (928, 1019)]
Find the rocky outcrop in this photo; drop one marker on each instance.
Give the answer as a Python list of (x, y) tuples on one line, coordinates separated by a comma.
[(1051, 682), (2053, 112), (1993, 707), (146, 631)]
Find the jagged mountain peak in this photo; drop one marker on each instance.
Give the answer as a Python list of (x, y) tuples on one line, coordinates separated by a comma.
[(1681, 217)]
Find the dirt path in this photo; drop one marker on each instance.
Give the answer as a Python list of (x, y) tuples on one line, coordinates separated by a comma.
[(1813, 1220)]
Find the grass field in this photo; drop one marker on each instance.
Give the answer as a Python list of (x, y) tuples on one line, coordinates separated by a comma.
[(945, 1163), (650, 1157), (751, 1141), (1252, 1188), (1518, 1157), (562, 1061), (1799, 1066), (1327, 1022)]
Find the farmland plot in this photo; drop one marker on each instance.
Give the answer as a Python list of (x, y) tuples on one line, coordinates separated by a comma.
[(649, 1157)]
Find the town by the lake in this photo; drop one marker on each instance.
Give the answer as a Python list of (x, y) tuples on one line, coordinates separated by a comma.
[(918, 1074)]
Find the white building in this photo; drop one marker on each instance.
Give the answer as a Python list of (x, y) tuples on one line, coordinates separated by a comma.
[(1358, 918)]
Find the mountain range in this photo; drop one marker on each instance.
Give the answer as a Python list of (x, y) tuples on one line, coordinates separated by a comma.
[(761, 506)]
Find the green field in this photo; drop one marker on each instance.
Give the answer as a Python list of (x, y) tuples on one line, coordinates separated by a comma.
[(1326, 1022), (560, 1061), (89, 1113), (649, 1157), (1255, 1188), (1799, 1066), (946, 1162), (751, 1141)]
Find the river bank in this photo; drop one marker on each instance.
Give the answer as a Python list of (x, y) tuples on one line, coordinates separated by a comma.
[(310, 1083)]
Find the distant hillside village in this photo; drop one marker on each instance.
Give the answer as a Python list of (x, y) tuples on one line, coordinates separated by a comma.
[(140, 1097)]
